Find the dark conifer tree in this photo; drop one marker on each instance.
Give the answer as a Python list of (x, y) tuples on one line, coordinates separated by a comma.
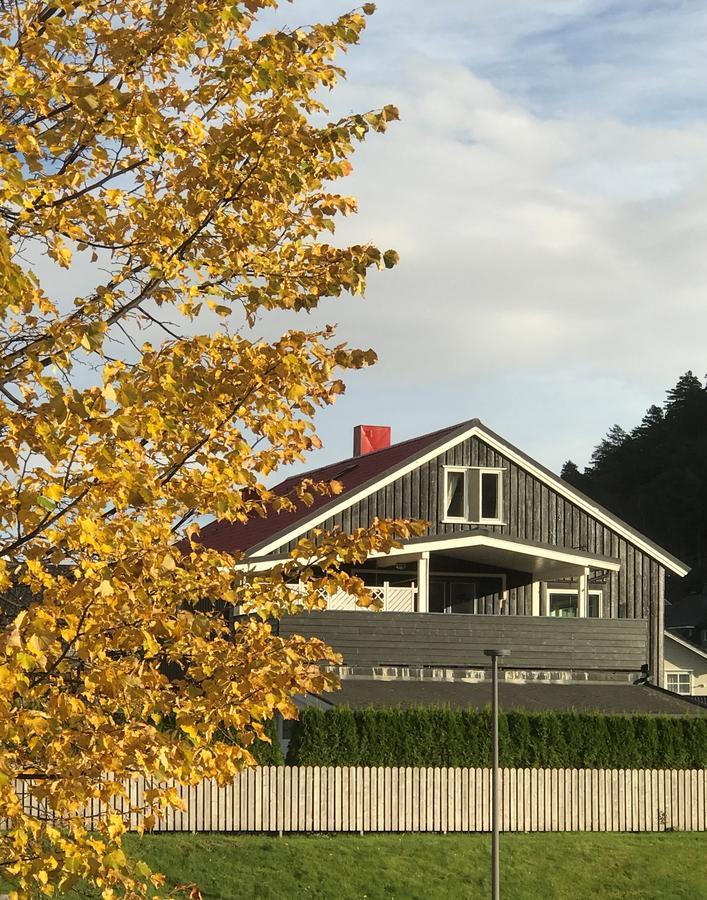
[(655, 477)]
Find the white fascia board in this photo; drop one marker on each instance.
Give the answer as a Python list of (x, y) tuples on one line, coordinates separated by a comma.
[(498, 543), (325, 514), (566, 491), (686, 644), (551, 481)]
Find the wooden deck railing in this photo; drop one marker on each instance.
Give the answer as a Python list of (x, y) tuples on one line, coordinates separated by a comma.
[(361, 799), (392, 599)]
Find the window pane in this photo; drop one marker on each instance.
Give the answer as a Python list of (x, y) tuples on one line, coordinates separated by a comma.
[(562, 605), (436, 598), (679, 682), (489, 495), (462, 597), (593, 604), (455, 495)]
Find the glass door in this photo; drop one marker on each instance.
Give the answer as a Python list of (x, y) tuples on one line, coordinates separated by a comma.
[(448, 596)]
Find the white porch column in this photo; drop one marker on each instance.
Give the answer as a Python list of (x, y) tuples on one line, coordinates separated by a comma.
[(535, 598), (583, 593), (423, 582)]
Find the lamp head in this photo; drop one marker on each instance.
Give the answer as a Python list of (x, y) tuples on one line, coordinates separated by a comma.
[(497, 653)]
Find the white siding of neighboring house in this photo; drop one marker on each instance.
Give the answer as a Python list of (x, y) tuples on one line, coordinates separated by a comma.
[(680, 658)]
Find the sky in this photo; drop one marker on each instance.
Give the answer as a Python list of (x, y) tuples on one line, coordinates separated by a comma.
[(546, 188)]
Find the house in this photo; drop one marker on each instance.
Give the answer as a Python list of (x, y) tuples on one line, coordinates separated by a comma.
[(685, 647), (512, 556)]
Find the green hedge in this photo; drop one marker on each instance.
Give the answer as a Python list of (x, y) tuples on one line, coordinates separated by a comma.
[(453, 737), (268, 754)]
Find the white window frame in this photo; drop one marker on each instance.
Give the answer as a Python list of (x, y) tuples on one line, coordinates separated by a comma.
[(582, 604), (600, 608), (677, 673), (476, 494), (447, 471), (472, 494)]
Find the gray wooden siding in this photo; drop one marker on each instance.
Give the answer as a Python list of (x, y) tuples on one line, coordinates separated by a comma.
[(531, 511), (439, 640)]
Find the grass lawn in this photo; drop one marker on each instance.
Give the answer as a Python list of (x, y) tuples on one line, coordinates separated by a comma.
[(429, 866), (433, 867)]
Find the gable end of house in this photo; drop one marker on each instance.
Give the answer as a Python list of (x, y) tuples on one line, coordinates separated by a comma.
[(468, 444)]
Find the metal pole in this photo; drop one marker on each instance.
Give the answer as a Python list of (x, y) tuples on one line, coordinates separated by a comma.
[(495, 874), (495, 867)]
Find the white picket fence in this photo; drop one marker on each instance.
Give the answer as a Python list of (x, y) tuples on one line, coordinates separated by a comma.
[(362, 799)]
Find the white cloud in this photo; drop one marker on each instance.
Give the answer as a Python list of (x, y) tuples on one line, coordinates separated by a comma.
[(554, 258), (551, 216)]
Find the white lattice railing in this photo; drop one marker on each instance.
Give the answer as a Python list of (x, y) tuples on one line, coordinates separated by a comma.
[(394, 599)]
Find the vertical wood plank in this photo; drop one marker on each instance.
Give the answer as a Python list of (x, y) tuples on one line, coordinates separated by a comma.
[(442, 799), (257, 798), (409, 799), (416, 799), (341, 781), (366, 798), (339, 790), (303, 774)]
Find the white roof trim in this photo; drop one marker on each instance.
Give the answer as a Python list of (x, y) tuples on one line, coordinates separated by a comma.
[(322, 515), (547, 478), (583, 503), (686, 644), (497, 542), (501, 543)]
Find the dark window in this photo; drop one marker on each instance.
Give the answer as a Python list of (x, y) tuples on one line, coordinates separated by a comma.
[(564, 605), (461, 597), (456, 506), (454, 595), (594, 604), (437, 596), (489, 495)]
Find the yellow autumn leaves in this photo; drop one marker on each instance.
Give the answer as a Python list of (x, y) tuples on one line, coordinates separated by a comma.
[(178, 164)]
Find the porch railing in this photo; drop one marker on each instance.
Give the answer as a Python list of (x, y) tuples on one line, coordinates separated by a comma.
[(393, 598)]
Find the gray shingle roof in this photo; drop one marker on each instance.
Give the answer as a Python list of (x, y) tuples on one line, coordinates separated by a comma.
[(608, 698)]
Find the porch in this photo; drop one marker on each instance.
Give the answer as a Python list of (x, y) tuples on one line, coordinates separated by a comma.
[(483, 573)]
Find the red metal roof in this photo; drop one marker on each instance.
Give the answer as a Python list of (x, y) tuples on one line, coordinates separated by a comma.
[(353, 473)]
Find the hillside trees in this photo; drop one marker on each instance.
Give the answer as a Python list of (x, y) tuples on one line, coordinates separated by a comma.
[(180, 163), (655, 476)]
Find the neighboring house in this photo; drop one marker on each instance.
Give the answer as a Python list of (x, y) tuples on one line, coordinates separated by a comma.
[(513, 557), (685, 648)]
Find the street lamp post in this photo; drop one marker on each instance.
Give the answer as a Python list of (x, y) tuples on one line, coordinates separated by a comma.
[(495, 655)]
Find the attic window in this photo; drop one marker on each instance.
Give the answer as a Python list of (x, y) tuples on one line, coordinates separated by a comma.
[(455, 494), (473, 494), (490, 495)]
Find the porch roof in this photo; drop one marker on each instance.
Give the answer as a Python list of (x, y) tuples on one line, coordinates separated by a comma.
[(544, 561)]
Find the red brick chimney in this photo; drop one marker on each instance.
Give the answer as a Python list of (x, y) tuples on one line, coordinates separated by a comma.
[(369, 438)]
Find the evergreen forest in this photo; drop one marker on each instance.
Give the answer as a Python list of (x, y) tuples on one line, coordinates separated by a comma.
[(655, 478)]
